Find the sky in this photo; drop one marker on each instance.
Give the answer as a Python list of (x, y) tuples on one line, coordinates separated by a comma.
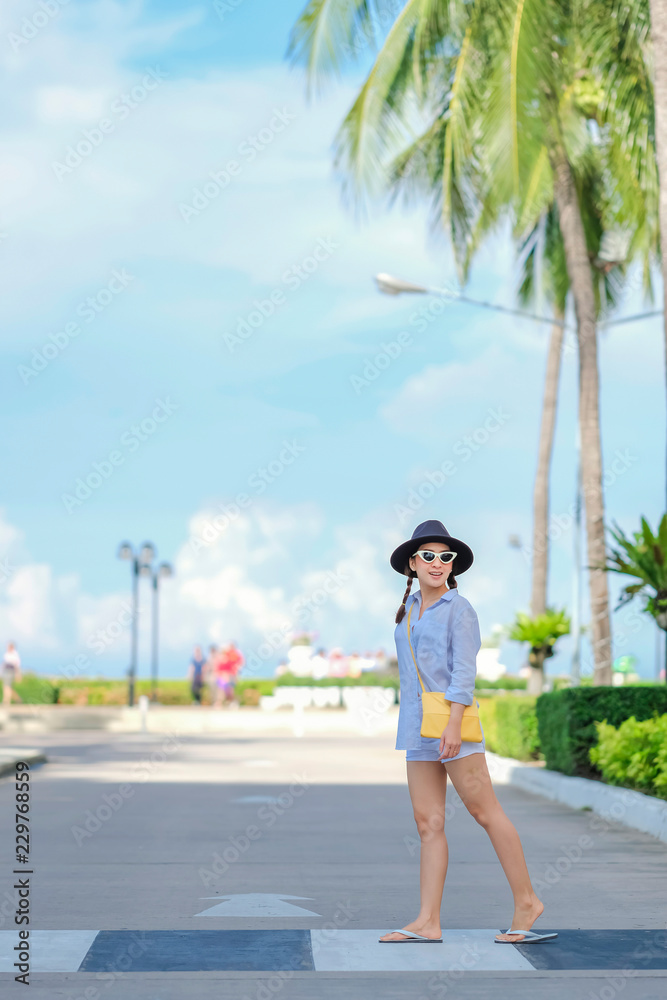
[(195, 353)]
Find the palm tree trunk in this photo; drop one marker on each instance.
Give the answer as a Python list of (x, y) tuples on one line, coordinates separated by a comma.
[(581, 283), (659, 39), (540, 568)]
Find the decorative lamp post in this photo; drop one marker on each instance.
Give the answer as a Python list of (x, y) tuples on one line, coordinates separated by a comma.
[(138, 560), (156, 574)]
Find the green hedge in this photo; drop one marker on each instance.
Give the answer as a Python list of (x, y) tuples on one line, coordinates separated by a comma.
[(35, 690), (510, 726), (566, 721), (367, 679), (633, 755), (506, 683)]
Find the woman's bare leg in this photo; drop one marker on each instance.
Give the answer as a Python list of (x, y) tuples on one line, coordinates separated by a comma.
[(427, 784), (471, 779)]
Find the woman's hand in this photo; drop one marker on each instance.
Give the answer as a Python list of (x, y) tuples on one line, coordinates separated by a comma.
[(450, 741)]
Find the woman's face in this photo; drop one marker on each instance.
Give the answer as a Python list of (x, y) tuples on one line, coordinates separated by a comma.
[(434, 574)]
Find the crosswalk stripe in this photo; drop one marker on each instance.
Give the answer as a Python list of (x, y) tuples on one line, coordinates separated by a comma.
[(461, 950), (50, 951), (334, 950)]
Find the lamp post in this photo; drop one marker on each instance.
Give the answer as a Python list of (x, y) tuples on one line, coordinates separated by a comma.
[(138, 560), (156, 574), (390, 285)]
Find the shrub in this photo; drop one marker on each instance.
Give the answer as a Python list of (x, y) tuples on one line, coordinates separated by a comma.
[(516, 728), (566, 720), (261, 685), (487, 716), (506, 683), (634, 754), (364, 680), (35, 690), (510, 726)]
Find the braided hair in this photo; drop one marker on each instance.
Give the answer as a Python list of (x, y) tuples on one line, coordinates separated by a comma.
[(400, 614)]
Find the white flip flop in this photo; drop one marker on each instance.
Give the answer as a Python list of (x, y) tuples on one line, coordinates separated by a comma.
[(529, 937), (413, 937)]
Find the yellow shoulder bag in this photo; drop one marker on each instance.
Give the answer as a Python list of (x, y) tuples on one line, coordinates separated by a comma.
[(436, 709)]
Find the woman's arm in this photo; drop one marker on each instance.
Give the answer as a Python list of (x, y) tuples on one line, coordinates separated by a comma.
[(466, 642)]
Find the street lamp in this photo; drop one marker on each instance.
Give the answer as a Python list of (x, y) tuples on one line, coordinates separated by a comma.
[(390, 285), (138, 560), (156, 574)]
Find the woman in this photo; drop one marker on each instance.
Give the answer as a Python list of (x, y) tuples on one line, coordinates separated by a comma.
[(444, 631), (196, 674), (11, 674)]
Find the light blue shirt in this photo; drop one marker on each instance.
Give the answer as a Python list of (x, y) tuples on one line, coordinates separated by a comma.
[(446, 640)]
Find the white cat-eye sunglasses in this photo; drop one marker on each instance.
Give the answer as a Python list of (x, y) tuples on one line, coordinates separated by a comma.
[(445, 557)]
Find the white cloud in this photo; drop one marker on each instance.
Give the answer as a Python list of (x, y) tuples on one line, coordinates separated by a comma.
[(448, 400)]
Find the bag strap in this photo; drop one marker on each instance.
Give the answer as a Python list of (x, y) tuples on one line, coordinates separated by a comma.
[(412, 650)]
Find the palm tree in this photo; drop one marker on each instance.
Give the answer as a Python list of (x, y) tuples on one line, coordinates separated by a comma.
[(542, 632), (486, 106), (659, 39), (542, 258), (643, 557)]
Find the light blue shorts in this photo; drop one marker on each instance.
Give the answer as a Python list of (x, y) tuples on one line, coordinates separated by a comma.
[(429, 750)]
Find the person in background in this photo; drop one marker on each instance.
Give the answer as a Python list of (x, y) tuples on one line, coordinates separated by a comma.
[(229, 664), (210, 672), (196, 673), (236, 661), (320, 665), (354, 665), (11, 674)]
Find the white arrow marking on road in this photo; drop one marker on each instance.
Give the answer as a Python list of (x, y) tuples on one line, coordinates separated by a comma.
[(256, 904)]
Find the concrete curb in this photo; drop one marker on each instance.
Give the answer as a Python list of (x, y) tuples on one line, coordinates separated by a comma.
[(10, 756), (621, 805)]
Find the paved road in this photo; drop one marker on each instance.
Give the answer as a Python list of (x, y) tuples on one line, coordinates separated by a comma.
[(266, 867)]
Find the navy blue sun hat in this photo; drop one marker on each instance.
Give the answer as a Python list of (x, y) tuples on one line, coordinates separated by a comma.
[(431, 531)]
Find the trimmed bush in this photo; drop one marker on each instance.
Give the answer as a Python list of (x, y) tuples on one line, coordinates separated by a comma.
[(35, 690), (487, 716), (634, 755), (516, 728), (367, 679), (510, 726), (506, 683), (566, 721)]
